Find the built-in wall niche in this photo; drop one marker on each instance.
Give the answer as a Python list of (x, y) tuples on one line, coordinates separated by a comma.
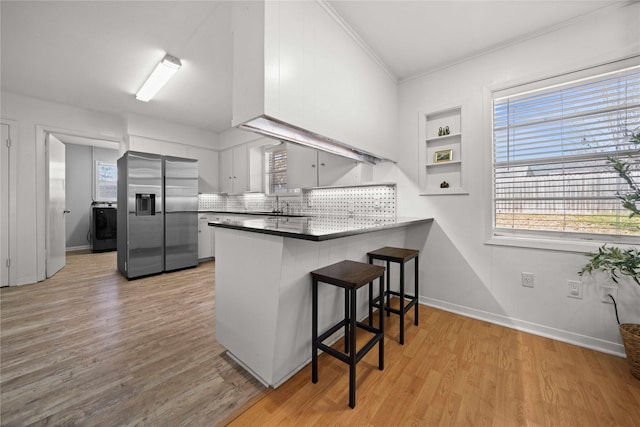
[(441, 153)]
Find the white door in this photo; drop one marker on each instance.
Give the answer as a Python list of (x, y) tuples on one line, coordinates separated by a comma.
[(4, 207), (56, 236)]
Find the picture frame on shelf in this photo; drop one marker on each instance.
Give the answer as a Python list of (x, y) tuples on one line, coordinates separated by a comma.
[(443, 156)]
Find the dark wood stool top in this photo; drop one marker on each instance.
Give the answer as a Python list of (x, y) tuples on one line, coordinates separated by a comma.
[(348, 274), (394, 254)]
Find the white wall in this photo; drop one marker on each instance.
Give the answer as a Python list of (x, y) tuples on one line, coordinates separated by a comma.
[(163, 130), (462, 273), (232, 137), (33, 117)]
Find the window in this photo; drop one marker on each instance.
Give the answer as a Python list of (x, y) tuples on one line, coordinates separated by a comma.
[(106, 182), (551, 173), (276, 169)]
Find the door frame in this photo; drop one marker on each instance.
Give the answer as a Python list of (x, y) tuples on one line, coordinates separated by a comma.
[(42, 183), (13, 191)]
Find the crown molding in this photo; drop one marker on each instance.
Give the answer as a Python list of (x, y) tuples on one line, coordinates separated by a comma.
[(356, 37)]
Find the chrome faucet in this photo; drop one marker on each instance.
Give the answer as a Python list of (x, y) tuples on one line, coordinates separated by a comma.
[(277, 208)]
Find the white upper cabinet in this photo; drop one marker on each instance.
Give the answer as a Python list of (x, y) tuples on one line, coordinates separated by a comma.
[(240, 169), (294, 62), (234, 170), (307, 168), (302, 166), (226, 171), (336, 170)]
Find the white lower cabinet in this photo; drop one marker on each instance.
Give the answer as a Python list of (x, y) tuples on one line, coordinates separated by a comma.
[(206, 236)]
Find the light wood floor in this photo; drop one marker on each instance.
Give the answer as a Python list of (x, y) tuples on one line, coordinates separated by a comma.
[(459, 371), (87, 347)]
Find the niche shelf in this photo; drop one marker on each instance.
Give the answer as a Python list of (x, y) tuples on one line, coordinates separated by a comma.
[(441, 157)]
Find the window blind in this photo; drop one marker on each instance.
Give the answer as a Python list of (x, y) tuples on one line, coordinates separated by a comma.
[(276, 170), (551, 167)]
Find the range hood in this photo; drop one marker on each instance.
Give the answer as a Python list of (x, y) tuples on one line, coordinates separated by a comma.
[(274, 128)]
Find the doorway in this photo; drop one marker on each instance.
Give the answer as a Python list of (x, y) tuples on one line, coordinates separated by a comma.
[(55, 186)]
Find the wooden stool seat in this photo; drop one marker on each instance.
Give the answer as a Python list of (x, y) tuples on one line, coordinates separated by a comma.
[(400, 256), (351, 276)]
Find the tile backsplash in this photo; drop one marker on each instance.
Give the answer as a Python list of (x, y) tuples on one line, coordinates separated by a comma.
[(374, 200), (211, 202)]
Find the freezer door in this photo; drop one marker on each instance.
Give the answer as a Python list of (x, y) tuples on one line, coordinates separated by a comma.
[(181, 213), (145, 228)]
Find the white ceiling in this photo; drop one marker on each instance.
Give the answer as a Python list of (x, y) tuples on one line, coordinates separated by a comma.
[(96, 54)]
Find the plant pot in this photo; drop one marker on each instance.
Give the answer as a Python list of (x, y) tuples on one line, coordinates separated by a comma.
[(631, 339)]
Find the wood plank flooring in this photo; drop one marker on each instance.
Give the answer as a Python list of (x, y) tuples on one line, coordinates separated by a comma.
[(87, 347), (459, 371), (90, 348)]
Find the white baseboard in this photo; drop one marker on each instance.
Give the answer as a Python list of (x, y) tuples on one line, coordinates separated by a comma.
[(28, 280), (532, 328), (78, 248)]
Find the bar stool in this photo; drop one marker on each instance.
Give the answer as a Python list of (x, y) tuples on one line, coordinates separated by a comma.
[(350, 276), (400, 256)]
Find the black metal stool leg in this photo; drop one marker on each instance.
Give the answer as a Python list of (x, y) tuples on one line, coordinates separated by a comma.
[(370, 298), (347, 322), (416, 292), (370, 304), (381, 327), (314, 328), (388, 290), (402, 303), (352, 351)]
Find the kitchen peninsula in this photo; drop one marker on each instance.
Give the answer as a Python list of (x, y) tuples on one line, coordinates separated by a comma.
[(263, 288)]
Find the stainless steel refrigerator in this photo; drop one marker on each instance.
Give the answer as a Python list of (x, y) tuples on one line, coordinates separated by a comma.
[(157, 215)]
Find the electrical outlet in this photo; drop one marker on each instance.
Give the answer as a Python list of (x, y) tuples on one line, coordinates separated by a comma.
[(604, 294), (575, 289), (527, 280)]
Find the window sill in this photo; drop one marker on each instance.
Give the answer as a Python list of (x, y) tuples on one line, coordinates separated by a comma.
[(564, 245)]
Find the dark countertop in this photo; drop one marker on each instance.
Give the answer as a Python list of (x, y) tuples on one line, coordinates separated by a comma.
[(254, 213), (318, 228)]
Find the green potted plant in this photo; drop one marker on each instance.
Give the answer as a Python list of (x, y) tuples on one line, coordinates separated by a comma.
[(618, 262)]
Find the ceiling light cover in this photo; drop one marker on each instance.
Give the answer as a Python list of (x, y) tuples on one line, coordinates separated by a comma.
[(160, 76)]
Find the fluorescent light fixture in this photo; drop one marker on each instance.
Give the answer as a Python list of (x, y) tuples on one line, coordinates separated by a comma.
[(278, 129), (160, 76)]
